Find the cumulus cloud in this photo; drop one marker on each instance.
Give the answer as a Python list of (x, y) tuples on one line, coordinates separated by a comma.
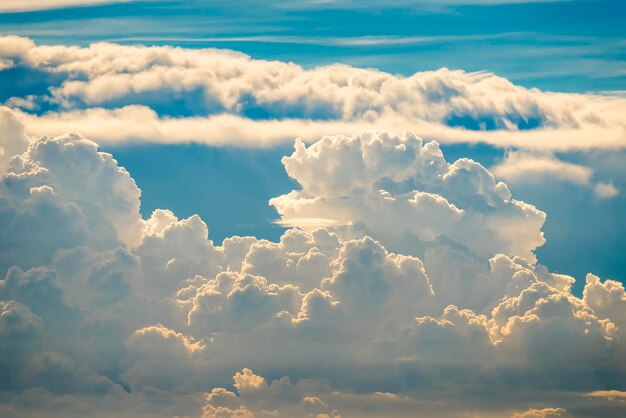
[(541, 413), (220, 96), (256, 397), (423, 296), (61, 193), (377, 182), (13, 139)]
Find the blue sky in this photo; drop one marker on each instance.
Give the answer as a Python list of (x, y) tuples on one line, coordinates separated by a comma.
[(529, 43)]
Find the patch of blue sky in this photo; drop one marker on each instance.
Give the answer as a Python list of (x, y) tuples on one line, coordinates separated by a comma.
[(562, 46), (228, 187)]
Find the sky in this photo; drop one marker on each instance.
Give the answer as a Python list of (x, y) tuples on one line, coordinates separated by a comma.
[(312, 208)]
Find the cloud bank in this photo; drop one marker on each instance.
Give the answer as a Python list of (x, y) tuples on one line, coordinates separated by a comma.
[(422, 296), (224, 97)]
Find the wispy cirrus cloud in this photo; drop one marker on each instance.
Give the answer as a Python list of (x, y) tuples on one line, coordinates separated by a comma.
[(346, 41)]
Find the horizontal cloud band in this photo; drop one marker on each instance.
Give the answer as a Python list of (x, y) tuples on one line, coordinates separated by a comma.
[(224, 97)]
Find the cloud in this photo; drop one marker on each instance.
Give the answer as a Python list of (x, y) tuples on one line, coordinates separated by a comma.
[(605, 190), (608, 394), (376, 181), (17, 318), (160, 358), (13, 139), (10, 6), (166, 94), (607, 299), (140, 123), (256, 397), (349, 41), (103, 313), (541, 168), (61, 193), (541, 413), (522, 167)]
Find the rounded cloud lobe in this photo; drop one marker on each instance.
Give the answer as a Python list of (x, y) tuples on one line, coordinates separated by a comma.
[(405, 194), (421, 294)]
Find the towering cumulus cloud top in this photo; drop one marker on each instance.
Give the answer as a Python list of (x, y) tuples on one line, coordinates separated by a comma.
[(62, 193), (407, 195), (409, 288)]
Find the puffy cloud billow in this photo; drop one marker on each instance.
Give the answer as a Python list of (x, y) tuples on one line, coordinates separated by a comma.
[(224, 97), (408, 286), (407, 195)]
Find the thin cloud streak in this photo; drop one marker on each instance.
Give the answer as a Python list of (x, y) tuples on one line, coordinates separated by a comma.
[(139, 123), (360, 41), (10, 6)]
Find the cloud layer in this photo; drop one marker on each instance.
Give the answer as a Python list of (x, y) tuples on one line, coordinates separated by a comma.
[(420, 293), (225, 97)]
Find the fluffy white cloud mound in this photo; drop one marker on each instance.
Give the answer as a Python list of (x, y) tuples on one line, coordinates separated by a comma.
[(13, 139), (61, 193), (423, 295), (406, 194)]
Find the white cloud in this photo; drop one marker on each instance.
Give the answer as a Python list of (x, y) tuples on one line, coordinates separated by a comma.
[(140, 123), (111, 92), (102, 312), (13, 139), (541, 168), (605, 190), (541, 413), (16, 318), (524, 167), (256, 397), (161, 358), (375, 182), (8, 6), (61, 193)]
